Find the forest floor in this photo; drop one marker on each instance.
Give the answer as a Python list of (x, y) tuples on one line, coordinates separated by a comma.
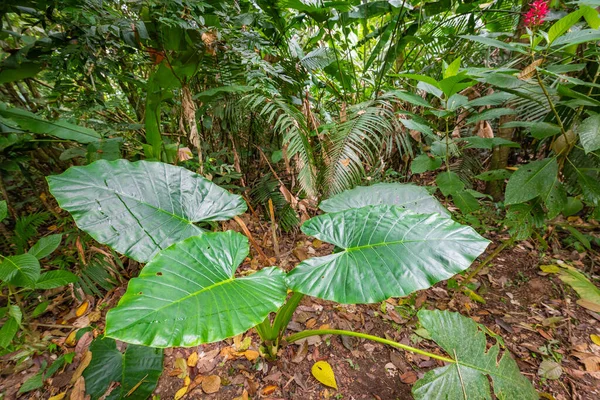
[(534, 312)]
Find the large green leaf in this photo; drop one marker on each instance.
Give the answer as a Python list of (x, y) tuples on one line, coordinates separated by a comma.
[(139, 365), (31, 122), (411, 197), (589, 133), (22, 270), (465, 342), (387, 252), (531, 180), (142, 207), (189, 295)]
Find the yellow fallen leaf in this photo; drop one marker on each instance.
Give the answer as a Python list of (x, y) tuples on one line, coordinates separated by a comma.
[(323, 372), (187, 381), (551, 269), (269, 390), (70, 340), (59, 396), (82, 308), (595, 339), (192, 359), (180, 393), (251, 355), (243, 346), (181, 364), (85, 361)]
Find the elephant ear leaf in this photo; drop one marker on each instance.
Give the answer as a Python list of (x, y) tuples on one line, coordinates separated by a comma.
[(188, 295), (465, 341), (386, 251), (142, 207), (410, 197)]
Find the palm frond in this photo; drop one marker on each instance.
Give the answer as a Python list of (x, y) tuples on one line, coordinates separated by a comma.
[(292, 124), (356, 143)]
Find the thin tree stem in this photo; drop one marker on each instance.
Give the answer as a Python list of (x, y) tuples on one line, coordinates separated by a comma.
[(551, 104), (485, 262)]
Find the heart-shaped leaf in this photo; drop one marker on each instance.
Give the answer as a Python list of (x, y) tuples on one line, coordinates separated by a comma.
[(465, 341), (411, 197), (188, 295), (142, 207), (387, 252)]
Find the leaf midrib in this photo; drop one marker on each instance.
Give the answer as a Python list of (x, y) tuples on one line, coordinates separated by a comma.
[(120, 194), (372, 245), (19, 269)]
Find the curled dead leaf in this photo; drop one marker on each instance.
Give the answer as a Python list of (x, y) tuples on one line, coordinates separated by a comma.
[(82, 308)]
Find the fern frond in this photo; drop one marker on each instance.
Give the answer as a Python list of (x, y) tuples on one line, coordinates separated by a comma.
[(317, 59), (26, 228)]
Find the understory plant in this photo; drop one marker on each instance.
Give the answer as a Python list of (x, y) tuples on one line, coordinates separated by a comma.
[(390, 241), (22, 275)]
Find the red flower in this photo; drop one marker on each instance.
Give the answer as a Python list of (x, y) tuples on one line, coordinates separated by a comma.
[(537, 13)]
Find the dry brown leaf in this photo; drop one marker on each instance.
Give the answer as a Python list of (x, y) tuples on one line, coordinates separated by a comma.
[(310, 323), (589, 305), (592, 364), (408, 377), (78, 392), (301, 353), (82, 365), (485, 130), (184, 154), (84, 343), (211, 384), (529, 70), (345, 162)]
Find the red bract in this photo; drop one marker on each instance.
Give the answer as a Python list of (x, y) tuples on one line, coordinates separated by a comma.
[(537, 13)]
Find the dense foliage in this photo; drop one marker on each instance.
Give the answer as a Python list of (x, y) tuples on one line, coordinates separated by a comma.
[(156, 122)]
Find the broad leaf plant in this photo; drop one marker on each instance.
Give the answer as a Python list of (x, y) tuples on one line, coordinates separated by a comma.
[(391, 240)]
